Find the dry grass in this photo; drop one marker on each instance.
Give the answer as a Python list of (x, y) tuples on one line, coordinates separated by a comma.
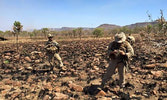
[(39, 39)]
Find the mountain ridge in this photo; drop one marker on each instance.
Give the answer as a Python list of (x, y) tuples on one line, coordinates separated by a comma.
[(105, 26)]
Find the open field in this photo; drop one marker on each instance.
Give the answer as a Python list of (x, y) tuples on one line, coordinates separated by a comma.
[(25, 75)]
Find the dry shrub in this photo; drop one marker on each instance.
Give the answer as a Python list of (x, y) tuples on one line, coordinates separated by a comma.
[(137, 37)]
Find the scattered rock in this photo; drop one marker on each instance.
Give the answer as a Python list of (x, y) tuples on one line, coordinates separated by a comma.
[(154, 92), (82, 77), (163, 65), (60, 96), (95, 68), (27, 59), (101, 93), (75, 87), (8, 82), (8, 54), (29, 68), (7, 57), (157, 73), (24, 75), (48, 86), (150, 66), (17, 57), (57, 89), (17, 83), (37, 61), (98, 54), (104, 98), (46, 97)]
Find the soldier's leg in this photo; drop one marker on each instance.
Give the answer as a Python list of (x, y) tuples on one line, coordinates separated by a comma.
[(110, 71), (57, 56), (121, 70), (50, 58)]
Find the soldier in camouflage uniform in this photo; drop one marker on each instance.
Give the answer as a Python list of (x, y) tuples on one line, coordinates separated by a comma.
[(52, 50), (131, 39), (119, 52)]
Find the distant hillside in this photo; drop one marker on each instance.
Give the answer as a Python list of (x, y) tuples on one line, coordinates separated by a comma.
[(142, 24), (69, 28), (104, 26), (108, 26)]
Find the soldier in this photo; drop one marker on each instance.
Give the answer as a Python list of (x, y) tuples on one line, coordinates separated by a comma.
[(52, 50), (119, 52), (131, 39)]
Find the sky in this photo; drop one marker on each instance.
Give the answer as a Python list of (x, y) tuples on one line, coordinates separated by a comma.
[(37, 14)]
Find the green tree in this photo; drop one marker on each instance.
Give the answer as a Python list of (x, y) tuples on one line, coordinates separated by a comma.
[(116, 30), (98, 32), (35, 32), (70, 33), (17, 27), (45, 31), (149, 28), (138, 29), (8, 33), (74, 31), (31, 34), (125, 30), (2, 33), (79, 30), (162, 24), (24, 33)]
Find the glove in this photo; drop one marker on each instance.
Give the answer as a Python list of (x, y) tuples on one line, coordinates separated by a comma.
[(122, 52)]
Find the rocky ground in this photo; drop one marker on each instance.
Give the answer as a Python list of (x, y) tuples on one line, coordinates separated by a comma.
[(26, 75)]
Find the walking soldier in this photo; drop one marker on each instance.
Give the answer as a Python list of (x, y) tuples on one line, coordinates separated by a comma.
[(52, 51), (119, 52)]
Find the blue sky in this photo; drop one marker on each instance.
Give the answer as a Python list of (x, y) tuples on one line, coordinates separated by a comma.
[(36, 14)]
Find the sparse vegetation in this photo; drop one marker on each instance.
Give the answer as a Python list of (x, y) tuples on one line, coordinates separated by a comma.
[(98, 32), (79, 30), (17, 27), (45, 31), (1, 33)]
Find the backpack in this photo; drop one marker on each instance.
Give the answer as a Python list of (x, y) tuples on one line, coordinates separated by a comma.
[(51, 48)]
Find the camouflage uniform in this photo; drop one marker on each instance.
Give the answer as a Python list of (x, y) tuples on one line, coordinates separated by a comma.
[(53, 53), (119, 52), (131, 39)]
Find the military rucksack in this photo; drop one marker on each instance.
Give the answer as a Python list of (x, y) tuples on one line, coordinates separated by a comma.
[(51, 48)]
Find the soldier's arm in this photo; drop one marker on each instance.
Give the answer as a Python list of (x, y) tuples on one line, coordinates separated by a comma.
[(57, 45), (46, 45), (110, 48), (130, 51)]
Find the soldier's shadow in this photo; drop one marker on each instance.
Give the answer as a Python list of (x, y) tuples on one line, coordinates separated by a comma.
[(91, 90), (42, 69), (95, 89)]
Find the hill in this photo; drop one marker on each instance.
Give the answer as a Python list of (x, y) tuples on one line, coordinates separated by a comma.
[(141, 24), (69, 28), (105, 26), (108, 26)]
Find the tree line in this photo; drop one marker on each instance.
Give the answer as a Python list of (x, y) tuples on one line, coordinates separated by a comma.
[(159, 28)]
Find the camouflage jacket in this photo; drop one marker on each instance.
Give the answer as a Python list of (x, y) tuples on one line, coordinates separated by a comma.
[(125, 47), (52, 47)]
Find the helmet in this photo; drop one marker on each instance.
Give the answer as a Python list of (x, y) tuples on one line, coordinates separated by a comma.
[(131, 39), (50, 36), (120, 37)]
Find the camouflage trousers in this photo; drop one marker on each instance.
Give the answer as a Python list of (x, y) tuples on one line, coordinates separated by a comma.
[(113, 64), (52, 57)]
